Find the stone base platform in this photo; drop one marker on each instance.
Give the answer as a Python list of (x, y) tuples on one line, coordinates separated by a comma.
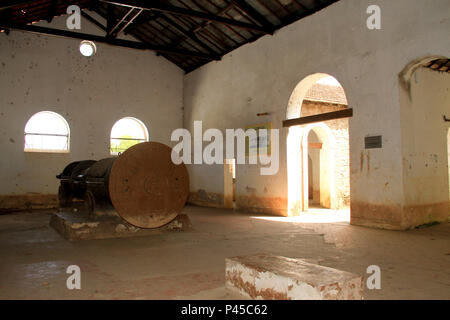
[(80, 226), (269, 277)]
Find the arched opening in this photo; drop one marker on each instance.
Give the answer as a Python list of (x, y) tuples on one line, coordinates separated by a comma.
[(448, 163), (47, 131), (317, 147), (313, 182), (318, 153), (318, 150), (126, 133), (425, 121)]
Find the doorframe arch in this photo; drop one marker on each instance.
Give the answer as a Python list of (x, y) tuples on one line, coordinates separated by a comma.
[(327, 138), (295, 147)]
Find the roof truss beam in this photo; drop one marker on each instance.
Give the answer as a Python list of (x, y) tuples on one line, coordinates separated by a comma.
[(191, 35), (127, 23), (93, 20), (107, 40), (165, 8), (52, 10), (253, 13), (140, 21)]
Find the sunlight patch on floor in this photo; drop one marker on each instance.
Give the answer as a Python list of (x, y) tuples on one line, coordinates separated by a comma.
[(314, 215)]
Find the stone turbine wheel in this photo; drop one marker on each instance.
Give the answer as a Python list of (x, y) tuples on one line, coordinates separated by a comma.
[(146, 188)]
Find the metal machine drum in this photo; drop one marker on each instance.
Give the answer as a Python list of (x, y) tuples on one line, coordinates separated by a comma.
[(73, 182), (146, 188), (97, 177)]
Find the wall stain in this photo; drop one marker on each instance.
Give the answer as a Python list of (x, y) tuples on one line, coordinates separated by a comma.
[(11, 203), (361, 161), (368, 162)]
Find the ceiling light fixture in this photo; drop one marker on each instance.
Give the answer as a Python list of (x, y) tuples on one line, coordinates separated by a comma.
[(87, 48)]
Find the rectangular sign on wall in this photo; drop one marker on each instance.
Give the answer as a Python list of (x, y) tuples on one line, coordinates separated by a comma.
[(262, 140), (374, 142)]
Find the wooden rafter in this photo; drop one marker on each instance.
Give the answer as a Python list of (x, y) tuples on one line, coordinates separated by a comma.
[(157, 6), (107, 40)]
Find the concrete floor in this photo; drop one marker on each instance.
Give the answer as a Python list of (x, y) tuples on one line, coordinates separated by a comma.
[(190, 265)]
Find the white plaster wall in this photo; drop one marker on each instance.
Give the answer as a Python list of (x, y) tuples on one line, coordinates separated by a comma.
[(261, 76), (425, 144), (47, 73)]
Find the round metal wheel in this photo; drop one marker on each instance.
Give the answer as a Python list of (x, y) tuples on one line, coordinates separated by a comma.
[(89, 202), (65, 197), (146, 188)]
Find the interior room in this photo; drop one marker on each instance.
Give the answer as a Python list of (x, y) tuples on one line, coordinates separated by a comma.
[(225, 149)]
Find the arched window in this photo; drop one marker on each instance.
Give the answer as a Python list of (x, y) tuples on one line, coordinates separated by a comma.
[(47, 131), (126, 133)]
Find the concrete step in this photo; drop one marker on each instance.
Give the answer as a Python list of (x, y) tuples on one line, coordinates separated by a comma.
[(270, 277)]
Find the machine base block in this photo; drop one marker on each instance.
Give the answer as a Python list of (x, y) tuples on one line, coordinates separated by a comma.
[(80, 226)]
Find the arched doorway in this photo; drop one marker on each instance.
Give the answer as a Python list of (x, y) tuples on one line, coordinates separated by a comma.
[(318, 153), (448, 162), (317, 145)]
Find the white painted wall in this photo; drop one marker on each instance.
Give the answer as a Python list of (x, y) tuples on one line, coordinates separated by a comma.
[(261, 76), (425, 153), (48, 73)]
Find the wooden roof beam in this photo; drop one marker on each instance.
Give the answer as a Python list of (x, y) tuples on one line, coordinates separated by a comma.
[(253, 13), (191, 35), (107, 40), (165, 8), (346, 113)]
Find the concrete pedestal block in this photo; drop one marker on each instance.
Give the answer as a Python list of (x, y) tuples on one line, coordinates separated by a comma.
[(269, 277), (81, 226)]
